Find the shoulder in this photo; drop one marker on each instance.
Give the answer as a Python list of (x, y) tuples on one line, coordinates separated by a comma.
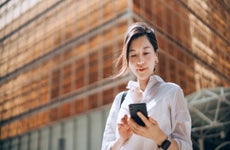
[(166, 87), (116, 104), (171, 86), (117, 100), (165, 84), (119, 95)]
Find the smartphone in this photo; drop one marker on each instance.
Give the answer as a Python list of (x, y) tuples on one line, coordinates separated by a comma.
[(138, 107)]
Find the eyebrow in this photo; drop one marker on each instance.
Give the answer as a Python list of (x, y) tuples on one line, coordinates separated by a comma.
[(146, 47), (133, 50)]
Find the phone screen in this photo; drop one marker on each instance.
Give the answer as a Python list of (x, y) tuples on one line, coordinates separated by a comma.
[(138, 107)]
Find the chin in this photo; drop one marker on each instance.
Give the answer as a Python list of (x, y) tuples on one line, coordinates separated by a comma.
[(143, 77)]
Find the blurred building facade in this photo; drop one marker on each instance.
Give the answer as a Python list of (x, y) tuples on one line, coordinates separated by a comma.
[(57, 56)]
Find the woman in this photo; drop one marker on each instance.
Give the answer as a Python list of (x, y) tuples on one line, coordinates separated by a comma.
[(169, 123)]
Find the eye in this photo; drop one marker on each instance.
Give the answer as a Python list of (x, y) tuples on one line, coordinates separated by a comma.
[(146, 53), (132, 55)]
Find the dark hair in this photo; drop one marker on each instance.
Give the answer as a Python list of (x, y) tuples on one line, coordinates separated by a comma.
[(134, 31)]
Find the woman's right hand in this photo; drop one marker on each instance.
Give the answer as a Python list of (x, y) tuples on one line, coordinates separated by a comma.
[(124, 132), (124, 129)]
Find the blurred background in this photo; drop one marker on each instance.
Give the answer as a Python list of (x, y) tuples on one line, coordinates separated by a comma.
[(56, 57)]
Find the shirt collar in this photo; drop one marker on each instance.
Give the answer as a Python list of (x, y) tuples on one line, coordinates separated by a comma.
[(154, 79)]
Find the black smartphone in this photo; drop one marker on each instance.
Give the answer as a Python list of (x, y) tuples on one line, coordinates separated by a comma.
[(138, 107)]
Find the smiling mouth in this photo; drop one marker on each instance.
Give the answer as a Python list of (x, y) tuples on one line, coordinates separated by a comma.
[(141, 69)]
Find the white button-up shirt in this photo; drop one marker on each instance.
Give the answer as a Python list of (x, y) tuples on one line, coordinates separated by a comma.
[(165, 103)]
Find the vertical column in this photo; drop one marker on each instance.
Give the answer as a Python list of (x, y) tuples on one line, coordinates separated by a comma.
[(201, 143)]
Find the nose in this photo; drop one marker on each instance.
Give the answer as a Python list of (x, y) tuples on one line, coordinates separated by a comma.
[(140, 60)]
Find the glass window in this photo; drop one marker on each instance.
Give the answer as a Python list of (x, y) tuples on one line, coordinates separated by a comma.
[(14, 144), (81, 133), (45, 140), (6, 144), (24, 142), (55, 136), (33, 141), (96, 128), (69, 135)]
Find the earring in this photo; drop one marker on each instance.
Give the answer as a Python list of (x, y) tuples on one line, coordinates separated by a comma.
[(154, 70)]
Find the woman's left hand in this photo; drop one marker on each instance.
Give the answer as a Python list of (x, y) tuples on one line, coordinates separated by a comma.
[(151, 129)]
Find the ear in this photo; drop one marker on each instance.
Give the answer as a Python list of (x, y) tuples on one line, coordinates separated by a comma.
[(157, 60)]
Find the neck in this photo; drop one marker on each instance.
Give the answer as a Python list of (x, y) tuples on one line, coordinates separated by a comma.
[(143, 84)]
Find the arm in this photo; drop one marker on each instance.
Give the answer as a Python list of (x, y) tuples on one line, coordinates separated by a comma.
[(181, 121), (110, 140), (110, 127), (151, 131), (124, 132)]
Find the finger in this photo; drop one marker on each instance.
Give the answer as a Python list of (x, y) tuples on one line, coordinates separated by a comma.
[(135, 127), (131, 122), (124, 119), (119, 126), (152, 120), (144, 119)]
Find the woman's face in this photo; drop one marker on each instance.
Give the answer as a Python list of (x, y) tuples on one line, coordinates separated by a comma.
[(142, 58)]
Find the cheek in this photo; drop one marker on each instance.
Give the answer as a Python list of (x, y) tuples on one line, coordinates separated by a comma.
[(150, 59), (131, 66), (132, 62), (152, 63)]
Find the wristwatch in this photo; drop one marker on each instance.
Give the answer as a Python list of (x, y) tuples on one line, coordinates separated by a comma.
[(165, 145)]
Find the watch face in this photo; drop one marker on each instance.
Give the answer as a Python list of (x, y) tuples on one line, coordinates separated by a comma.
[(166, 144)]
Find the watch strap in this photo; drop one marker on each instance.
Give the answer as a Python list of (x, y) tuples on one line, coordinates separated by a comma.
[(165, 145)]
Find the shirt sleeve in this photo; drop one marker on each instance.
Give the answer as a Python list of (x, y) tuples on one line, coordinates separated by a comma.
[(181, 121), (109, 135)]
